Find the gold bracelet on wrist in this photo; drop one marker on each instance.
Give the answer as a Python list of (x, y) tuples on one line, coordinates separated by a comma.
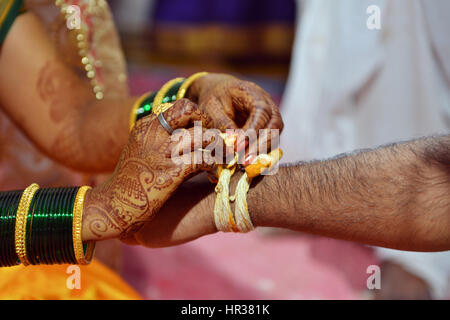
[(185, 86), (157, 102), (21, 222), (82, 256)]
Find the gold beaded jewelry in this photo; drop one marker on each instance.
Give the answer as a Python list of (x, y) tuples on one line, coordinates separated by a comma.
[(92, 65), (185, 86), (78, 207), (136, 106), (161, 93), (21, 222)]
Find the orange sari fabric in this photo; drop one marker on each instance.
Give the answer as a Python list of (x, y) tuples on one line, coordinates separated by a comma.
[(97, 282)]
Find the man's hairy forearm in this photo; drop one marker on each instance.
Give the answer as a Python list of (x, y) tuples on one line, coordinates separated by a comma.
[(395, 196)]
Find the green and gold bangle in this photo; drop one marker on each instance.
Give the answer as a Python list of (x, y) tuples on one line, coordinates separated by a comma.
[(9, 10), (43, 226), (144, 106), (134, 110), (158, 101)]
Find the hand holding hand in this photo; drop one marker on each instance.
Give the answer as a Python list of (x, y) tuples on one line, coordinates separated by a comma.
[(232, 103), (144, 178)]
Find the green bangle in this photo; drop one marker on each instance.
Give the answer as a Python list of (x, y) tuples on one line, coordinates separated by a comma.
[(42, 228), (62, 205), (5, 201), (49, 236), (28, 232), (146, 105), (3, 198), (68, 226), (171, 94), (49, 228), (12, 241), (8, 207)]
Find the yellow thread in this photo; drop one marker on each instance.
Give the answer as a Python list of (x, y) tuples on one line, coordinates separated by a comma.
[(241, 222)]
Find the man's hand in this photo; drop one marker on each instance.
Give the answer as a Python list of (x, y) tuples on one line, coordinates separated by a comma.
[(187, 215), (145, 176)]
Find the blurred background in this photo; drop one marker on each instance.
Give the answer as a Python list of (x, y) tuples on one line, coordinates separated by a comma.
[(346, 74), (165, 38)]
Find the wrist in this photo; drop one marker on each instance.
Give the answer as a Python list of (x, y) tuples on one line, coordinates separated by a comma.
[(96, 222), (256, 214)]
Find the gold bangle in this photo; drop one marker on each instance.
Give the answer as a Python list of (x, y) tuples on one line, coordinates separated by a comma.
[(136, 106), (21, 222), (81, 257), (161, 93), (185, 86)]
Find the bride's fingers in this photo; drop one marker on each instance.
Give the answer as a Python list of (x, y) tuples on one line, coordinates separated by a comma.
[(184, 113), (267, 140), (201, 155), (184, 141)]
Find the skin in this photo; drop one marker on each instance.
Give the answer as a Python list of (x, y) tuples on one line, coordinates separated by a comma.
[(56, 109), (395, 196), (144, 178)]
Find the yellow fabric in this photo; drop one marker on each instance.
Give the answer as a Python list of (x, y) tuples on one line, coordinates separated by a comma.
[(50, 283)]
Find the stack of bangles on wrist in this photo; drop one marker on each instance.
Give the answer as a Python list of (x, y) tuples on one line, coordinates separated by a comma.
[(159, 101), (43, 226)]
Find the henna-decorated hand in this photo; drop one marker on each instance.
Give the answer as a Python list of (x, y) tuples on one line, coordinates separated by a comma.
[(145, 176), (232, 103)]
